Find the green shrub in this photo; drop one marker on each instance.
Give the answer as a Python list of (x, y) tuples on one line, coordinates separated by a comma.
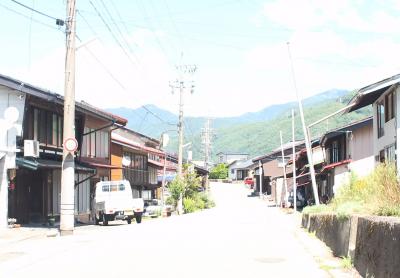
[(176, 188), (208, 202), (189, 205), (220, 171)]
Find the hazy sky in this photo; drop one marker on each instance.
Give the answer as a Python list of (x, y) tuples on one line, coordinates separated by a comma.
[(239, 47)]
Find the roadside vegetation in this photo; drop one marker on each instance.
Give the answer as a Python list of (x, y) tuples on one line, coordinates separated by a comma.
[(220, 171), (376, 194), (189, 187)]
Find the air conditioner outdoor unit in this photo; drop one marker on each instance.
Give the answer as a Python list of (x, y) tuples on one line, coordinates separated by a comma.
[(31, 148)]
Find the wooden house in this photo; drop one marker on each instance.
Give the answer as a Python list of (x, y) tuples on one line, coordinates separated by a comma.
[(35, 178), (137, 158), (348, 149), (384, 96)]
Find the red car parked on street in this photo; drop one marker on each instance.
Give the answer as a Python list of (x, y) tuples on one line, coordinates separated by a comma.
[(249, 182)]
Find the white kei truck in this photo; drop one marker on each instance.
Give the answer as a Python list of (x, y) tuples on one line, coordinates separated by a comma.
[(113, 200)]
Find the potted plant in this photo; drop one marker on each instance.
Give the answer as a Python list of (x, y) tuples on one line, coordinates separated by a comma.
[(51, 219)]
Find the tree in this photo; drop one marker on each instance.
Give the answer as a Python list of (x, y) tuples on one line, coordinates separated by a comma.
[(220, 171)]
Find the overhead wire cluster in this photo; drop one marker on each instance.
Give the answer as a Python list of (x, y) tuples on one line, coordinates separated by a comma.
[(124, 45)]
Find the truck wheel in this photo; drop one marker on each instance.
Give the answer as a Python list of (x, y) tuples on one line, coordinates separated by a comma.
[(138, 218), (105, 220), (129, 220)]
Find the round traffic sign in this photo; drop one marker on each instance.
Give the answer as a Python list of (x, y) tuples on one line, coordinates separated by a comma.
[(70, 144)]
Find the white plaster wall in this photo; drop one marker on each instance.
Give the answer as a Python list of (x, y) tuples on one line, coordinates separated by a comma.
[(341, 177), (9, 132), (363, 167), (230, 175), (278, 192)]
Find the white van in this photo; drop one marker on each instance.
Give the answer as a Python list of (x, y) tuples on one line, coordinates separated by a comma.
[(114, 201)]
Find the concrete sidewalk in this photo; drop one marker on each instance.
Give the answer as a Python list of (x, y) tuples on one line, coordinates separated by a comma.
[(14, 235)]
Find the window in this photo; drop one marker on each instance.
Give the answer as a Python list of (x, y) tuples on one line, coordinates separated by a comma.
[(232, 171), (95, 143), (390, 153), (380, 113), (105, 188), (389, 107), (136, 172), (381, 156), (335, 152), (47, 127)]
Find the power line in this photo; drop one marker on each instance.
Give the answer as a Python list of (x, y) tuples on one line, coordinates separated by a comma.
[(121, 20), (119, 30), (158, 117), (87, 49), (112, 33), (141, 123), (101, 64), (29, 18), (152, 29), (59, 22)]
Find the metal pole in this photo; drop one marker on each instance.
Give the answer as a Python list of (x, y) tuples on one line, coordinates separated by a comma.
[(180, 128), (260, 172), (163, 179), (68, 171), (284, 168), (294, 166), (306, 134)]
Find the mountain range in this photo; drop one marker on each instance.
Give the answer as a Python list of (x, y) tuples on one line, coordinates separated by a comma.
[(253, 132)]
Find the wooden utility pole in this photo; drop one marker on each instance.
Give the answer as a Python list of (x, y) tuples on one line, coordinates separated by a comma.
[(180, 83), (180, 129), (294, 165), (68, 165), (284, 167), (306, 134), (260, 172)]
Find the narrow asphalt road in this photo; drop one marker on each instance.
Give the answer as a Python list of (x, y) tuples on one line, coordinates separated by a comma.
[(241, 237)]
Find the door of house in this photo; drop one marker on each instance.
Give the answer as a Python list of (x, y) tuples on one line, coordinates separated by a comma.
[(36, 197)]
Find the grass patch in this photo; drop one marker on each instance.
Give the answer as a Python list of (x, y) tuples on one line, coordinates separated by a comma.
[(346, 262), (317, 209), (326, 267), (376, 194), (312, 234)]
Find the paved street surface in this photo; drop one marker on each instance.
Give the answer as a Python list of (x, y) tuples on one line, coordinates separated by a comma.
[(241, 237)]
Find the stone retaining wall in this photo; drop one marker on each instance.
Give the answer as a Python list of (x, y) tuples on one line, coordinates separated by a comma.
[(377, 252), (372, 242)]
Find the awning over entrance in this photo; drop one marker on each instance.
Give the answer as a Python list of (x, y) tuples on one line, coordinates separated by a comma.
[(34, 164)]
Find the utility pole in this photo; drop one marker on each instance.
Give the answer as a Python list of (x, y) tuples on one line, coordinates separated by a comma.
[(180, 84), (294, 165), (305, 131), (206, 136), (68, 165), (184, 70), (284, 167), (260, 172)]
